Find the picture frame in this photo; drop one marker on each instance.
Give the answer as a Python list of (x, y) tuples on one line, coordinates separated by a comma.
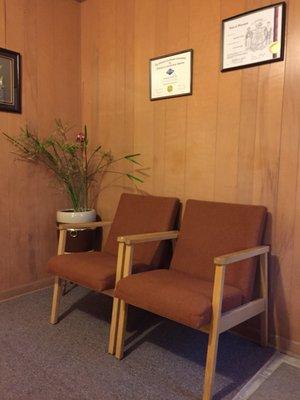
[(253, 38), (171, 75), (10, 81)]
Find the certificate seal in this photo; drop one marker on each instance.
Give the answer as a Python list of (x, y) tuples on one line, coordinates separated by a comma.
[(169, 88), (274, 47)]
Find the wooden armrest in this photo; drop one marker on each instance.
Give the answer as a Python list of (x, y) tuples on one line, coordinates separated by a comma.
[(240, 255), (83, 225), (147, 237)]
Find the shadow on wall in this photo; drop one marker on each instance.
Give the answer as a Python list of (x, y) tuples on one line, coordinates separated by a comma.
[(277, 301), (278, 307)]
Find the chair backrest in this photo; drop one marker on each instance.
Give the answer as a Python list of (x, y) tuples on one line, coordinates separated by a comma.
[(144, 214), (211, 229)]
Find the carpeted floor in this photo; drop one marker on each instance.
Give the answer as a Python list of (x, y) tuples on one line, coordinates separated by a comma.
[(283, 384), (278, 379), (165, 360)]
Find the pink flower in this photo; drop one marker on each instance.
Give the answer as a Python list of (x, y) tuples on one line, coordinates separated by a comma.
[(80, 137)]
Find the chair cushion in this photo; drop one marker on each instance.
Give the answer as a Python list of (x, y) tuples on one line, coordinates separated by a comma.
[(93, 270), (175, 295), (211, 229), (144, 214)]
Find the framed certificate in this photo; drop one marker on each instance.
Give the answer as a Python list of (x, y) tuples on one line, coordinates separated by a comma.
[(10, 96), (171, 75), (253, 38)]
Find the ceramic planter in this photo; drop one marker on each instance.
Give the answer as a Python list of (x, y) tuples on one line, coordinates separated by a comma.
[(79, 240), (69, 216)]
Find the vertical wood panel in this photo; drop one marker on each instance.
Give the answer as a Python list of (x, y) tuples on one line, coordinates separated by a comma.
[(101, 110), (247, 135), (143, 108), (32, 245), (268, 130), (20, 272), (4, 178), (50, 88), (288, 211), (46, 111), (176, 108), (105, 47), (203, 105), (66, 30), (229, 105), (45, 20), (129, 91), (159, 110), (247, 125), (2, 22), (89, 57)]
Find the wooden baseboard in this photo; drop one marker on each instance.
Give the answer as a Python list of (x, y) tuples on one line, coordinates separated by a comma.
[(24, 289), (286, 346)]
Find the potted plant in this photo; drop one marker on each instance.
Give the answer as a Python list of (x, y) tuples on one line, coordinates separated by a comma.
[(77, 169)]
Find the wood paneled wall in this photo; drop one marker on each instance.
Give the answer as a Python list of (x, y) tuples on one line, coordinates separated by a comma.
[(47, 34), (235, 139)]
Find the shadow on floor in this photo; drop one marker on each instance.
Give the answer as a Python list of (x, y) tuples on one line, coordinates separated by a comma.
[(238, 359)]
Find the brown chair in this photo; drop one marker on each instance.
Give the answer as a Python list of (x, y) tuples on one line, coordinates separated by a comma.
[(97, 270), (195, 291)]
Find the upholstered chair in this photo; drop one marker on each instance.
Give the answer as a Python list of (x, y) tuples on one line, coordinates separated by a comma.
[(209, 285), (97, 270)]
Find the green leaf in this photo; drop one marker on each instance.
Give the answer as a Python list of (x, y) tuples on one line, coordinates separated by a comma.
[(134, 178), (130, 157)]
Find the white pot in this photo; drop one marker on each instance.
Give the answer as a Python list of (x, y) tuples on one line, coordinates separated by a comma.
[(69, 216)]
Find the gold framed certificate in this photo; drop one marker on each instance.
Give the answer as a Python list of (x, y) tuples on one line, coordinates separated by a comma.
[(171, 75), (253, 38)]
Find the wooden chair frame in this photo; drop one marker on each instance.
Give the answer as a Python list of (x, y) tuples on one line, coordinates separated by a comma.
[(220, 322), (58, 281)]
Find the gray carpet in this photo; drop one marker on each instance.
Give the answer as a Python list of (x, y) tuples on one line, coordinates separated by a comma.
[(283, 384), (69, 360)]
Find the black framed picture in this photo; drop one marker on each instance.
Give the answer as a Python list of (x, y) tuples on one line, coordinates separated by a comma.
[(253, 38), (10, 81), (171, 75)]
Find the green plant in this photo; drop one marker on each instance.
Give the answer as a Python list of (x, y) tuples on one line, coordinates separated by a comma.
[(75, 168)]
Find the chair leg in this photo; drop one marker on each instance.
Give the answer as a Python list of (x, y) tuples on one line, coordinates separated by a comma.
[(122, 319), (113, 326), (264, 329), (56, 300), (213, 340), (211, 360), (264, 294), (121, 330), (116, 302)]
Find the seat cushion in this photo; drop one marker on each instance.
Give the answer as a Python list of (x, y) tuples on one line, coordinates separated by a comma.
[(175, 295), (93, 270)]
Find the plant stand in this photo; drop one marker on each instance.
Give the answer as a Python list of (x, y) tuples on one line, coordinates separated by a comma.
[(81, 240)]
